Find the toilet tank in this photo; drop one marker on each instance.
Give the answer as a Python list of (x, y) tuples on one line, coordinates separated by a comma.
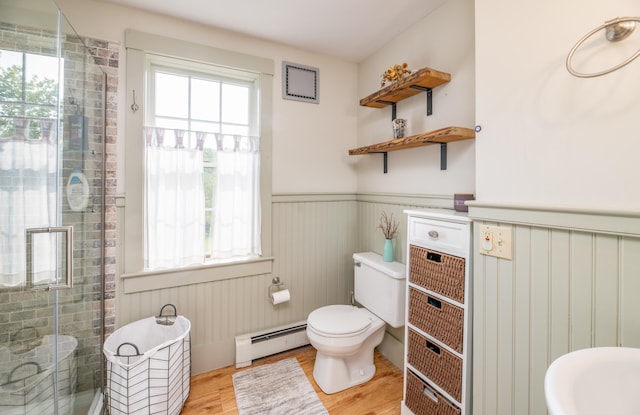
[(380, 287)]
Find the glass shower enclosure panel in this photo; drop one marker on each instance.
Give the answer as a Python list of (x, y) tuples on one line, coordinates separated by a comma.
[(51, 214)]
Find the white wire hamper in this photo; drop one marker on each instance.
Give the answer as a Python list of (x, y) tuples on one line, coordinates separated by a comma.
[(27, 376), (149, 366)]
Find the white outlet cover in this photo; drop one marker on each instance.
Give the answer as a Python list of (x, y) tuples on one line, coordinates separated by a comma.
[(501, 243)]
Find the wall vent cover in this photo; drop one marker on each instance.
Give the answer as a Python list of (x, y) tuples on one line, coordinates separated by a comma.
[(300, 82)]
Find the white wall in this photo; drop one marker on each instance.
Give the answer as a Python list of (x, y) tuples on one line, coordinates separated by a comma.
[(442, 41), (310, 142), (556, 162), (547, 137)]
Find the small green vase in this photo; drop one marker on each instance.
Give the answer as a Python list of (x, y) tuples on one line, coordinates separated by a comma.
[(387, 253)]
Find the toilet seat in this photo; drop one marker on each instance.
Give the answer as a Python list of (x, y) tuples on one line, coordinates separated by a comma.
[(339, 321)]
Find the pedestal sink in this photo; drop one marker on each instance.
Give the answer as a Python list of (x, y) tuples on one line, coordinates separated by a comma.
[(601, 380)]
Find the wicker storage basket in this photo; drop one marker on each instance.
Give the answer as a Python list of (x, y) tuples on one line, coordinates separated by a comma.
[(440, 319), (436, 363), (423, 400), (437, 272)]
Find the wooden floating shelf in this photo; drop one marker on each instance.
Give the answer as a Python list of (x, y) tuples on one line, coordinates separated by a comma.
[(441, 136), (425, 78)]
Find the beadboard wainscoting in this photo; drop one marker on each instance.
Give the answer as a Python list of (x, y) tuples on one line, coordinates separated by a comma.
[(573, 283), (314, 238)]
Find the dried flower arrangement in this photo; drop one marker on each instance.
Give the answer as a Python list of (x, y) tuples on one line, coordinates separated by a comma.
[(388, 225), (395, 73)]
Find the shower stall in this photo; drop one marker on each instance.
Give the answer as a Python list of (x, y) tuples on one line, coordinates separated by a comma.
[(52, 214)]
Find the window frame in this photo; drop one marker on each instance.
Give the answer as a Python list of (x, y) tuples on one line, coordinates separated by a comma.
[(138, 46), (156, 64), (224, 77)]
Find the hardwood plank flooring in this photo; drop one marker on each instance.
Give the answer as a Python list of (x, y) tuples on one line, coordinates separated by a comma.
[(212, 392)]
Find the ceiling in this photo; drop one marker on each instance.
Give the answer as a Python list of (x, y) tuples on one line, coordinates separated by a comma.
[(347, 29)]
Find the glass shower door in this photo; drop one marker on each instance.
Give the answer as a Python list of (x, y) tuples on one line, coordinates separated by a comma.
[(51, 214)]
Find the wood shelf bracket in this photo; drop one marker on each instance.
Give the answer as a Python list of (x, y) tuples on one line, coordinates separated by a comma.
[(443, 159), (392, 105), (429, 94)]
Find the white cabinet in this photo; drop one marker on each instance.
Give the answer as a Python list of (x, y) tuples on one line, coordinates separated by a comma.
[(437, 369)]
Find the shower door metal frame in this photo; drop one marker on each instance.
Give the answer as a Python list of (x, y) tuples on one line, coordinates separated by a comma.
[(68, 280)]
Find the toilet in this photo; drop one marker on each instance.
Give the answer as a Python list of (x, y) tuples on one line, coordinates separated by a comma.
[(345, 336)]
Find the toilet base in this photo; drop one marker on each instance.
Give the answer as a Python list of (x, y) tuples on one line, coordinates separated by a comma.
[(347, 361), (334, 374)]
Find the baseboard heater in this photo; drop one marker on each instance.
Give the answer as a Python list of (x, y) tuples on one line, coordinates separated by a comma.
[(265, 343)]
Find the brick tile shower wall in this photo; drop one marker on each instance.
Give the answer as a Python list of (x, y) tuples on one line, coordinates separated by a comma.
[(26, 316)]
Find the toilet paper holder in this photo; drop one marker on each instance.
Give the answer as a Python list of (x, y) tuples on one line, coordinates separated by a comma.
[(276, 285)]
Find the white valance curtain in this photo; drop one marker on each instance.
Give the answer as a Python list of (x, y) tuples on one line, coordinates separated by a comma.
[(28, 199), (175, 198)]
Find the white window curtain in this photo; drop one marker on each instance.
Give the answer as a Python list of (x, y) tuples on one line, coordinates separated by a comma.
[(236, 217), (175, 221), (28, 199)]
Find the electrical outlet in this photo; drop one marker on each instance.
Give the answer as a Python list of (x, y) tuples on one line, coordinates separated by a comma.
[(496, 241)]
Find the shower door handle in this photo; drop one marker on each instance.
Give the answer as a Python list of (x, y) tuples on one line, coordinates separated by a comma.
[(68, 280)]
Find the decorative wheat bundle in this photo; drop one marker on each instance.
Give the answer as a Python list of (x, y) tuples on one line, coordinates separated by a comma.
[(388, 225)]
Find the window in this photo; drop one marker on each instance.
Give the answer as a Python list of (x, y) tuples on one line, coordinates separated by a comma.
[(29, 152), (203, 122), (28, 89), (202, 187)]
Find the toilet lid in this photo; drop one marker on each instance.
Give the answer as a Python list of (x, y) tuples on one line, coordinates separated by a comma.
[(339, 320)]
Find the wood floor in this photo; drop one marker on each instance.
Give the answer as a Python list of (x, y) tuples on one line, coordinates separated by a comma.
[(212, 392)]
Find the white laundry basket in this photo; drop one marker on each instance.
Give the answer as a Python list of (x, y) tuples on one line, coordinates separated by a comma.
[(27, 376), (149, 366)]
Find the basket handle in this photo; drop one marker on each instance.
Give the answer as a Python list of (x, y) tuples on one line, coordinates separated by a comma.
[(433, 257), (430, 394), (435, 349), (10, 378), (127, 355), (433, 302), (175, 311)]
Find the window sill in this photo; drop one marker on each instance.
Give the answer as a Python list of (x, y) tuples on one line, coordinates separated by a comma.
[(159, 279)]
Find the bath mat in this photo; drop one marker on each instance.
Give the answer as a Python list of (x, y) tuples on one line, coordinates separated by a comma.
[(278, 389)]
